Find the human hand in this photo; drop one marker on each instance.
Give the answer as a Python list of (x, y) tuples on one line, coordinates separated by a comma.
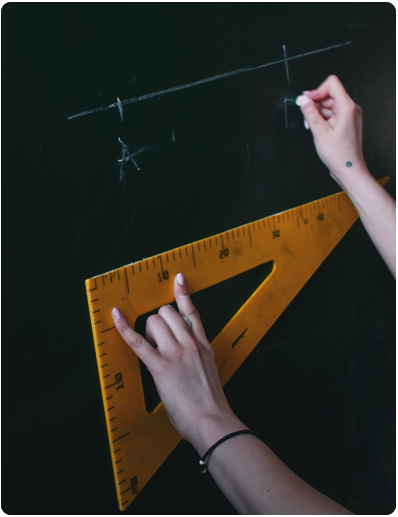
[(183, 369), (336, 124)]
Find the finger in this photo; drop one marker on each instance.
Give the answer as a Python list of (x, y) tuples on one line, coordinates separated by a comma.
[(135, 341), (187, 308), (159, 334), (176, 323), (326, 103), (326, 113), (312, 115)]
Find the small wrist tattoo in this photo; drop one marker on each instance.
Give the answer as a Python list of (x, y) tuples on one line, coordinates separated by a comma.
[(349, 164)]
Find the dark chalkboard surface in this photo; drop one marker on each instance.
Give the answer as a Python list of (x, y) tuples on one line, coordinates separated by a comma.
[(321, 385)]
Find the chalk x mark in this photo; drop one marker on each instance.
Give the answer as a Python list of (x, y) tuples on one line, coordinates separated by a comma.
[(130, 156), (208, 80), (286, 67)]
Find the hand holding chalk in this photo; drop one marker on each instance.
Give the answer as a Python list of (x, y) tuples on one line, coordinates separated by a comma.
[(336, 124)]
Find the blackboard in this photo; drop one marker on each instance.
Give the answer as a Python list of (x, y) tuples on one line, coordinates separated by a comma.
[(321, 385)]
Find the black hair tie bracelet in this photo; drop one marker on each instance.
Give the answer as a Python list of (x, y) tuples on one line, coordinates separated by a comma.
[(202, 460)]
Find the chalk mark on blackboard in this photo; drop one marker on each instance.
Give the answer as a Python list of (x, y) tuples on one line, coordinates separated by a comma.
[(292, 341), (119, 105), (173, 138), (121, 175), (286, 67), (284, 101), (130, 155), (208, 80)]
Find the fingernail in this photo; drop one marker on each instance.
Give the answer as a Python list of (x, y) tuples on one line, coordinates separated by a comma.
[(306, 124), (180, 279), (116, 314), (302, 100)]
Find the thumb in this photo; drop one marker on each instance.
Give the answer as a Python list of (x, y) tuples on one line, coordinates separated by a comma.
[(312, 116)]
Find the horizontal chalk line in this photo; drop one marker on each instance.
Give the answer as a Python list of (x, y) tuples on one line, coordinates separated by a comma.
[(203, 81)]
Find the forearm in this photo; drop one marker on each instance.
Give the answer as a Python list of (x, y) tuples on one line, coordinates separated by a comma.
[(255, 481), (376, 209)]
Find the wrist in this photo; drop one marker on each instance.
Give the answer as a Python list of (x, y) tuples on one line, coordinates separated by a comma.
[(350, 174), (212, 428)]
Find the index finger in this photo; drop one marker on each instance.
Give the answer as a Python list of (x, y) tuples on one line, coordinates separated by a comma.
[(135, 341), (187, 308)]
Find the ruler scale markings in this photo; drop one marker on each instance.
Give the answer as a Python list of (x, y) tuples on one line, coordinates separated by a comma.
[(114, 384), (127, 281), (250, 237), (161, 265), (193, 254), (107, 330), (106, 376), (120, 437)]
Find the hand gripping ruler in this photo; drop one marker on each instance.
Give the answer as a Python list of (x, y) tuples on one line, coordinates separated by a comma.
[(297, 241)]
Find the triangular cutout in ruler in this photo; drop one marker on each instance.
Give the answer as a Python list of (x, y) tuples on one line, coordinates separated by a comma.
[(297, 241)]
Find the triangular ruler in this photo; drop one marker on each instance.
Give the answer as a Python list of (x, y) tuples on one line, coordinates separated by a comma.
[(297, 241)]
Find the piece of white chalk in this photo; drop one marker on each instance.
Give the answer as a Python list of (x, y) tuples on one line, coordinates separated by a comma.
[(297, 101)]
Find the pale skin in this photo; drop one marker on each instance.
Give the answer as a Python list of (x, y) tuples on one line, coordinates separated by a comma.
[(181, 359)]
